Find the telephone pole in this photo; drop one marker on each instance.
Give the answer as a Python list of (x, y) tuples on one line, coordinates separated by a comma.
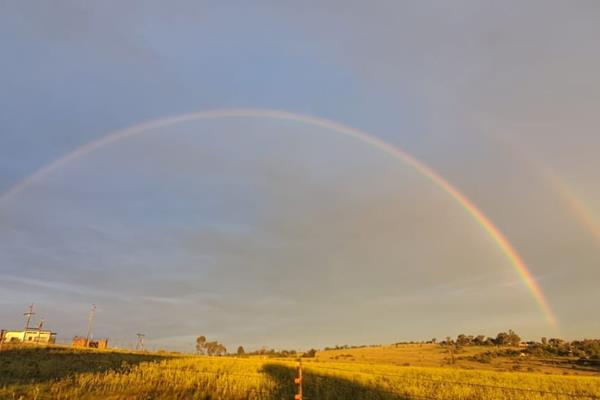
[(28, 314), (140, 342), (90, 322)]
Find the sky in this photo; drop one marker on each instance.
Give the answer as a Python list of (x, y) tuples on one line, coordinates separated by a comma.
[(267, 232)]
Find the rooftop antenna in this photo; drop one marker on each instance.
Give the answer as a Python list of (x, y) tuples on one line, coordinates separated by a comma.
[(140, 342), (28, 314), (90, 323)]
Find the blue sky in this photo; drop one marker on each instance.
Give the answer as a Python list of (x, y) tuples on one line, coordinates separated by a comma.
[(244, 230)]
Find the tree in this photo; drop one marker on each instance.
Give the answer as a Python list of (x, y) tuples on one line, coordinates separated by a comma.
[(501, 339), (508, 339), (241, 351), (311, 353), (200, 344), (463, 340), (513, 338), (215, 348), (479, 340)]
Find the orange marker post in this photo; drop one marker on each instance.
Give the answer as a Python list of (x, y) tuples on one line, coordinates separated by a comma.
[(298, 380)]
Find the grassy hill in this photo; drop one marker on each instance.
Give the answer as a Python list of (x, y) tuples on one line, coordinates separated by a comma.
[(63, 373), (468, 357)]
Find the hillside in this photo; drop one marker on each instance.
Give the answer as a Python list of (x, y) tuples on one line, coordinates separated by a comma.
[(63, 373), (468, 357)]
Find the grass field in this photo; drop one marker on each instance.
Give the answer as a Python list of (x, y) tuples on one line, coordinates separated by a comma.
[(433, 355), (63, 373)]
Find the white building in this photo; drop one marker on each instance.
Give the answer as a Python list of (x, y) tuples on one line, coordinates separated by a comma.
[(31, 335)]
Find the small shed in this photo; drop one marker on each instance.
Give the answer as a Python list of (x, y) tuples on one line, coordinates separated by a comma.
[(79, 341)]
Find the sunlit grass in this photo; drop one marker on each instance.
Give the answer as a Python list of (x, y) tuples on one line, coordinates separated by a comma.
[(73, 374)]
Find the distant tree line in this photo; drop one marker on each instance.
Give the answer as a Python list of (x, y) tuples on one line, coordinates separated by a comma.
[(268, 352), (214, 348), (265, 351), (346, 347), (509, 338), (586, 348)]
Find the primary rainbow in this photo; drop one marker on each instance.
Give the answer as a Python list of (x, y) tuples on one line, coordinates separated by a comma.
[(511, 254)]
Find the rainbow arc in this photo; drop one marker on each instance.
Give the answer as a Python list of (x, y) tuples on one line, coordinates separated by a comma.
[(497, 236)]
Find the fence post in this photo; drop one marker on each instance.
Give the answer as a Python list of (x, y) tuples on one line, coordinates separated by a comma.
[(298, 380)]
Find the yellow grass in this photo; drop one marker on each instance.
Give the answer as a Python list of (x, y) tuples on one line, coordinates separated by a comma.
[(433, 355), (423, 355), (37, 374)]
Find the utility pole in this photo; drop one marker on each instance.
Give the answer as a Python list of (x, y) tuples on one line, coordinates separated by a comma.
[(140, 342), (39, 329), (90, 322), (28, 314)]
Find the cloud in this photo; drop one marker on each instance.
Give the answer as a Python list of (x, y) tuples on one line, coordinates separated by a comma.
[(245, 230)]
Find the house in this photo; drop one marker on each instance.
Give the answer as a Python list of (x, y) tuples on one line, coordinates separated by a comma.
[(29, 335)]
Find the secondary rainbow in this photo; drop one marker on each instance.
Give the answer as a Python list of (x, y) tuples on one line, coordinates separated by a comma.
[(577, 206), (509, 251)]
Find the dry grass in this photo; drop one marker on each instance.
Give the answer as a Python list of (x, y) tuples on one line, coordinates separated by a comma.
[(58, 373), (433, 355)]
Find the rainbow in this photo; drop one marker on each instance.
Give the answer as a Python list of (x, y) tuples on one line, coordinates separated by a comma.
[(576, 206), (498, 237)]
